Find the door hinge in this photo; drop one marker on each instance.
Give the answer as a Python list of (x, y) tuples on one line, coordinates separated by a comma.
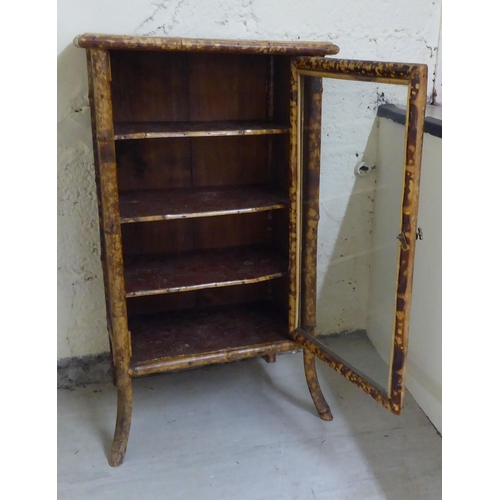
[(420, 234)]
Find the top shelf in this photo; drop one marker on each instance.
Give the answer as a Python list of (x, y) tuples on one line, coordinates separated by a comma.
[(152, 130)]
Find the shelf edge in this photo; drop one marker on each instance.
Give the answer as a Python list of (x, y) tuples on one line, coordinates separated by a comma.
[(195, 215), (138, 369), (220, 284)]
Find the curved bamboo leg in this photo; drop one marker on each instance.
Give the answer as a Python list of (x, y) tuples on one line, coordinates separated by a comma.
[(122, 429), (314, 388)]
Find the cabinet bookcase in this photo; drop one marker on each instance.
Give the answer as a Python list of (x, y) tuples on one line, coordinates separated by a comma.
[(196, 148)]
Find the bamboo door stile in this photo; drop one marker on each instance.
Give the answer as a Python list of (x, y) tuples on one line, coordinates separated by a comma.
[(313, 89), (111, 245)]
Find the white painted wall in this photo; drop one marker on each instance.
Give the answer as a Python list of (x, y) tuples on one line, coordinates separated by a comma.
[(391, 30), (424, 366)]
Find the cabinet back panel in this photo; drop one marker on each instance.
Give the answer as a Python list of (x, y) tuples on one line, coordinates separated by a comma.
[(219, 161), (163, 86), (157, 237), (201, 298), (160, 303), (282, 75), (153, 164), (230, 230), (188, 234), (227, 87), (149, 86)]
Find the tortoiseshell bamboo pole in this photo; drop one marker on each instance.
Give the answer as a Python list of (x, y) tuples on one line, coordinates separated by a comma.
[(302, 303), (111, 245), (127, 42), (314, 388), (311, 138), (415, 117), (294, 204)]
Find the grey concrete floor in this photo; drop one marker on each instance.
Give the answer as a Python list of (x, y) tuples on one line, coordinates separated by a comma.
[(247, 430)]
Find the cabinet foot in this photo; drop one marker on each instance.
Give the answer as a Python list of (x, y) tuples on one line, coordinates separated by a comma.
[(270, 358), (122, 429), (314, 388)]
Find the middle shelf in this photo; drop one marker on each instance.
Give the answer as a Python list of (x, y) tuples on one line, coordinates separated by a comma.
[(183, 203), (199, 269)]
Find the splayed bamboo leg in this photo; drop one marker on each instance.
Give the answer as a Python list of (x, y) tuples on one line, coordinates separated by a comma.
[(122, 429), (314, 388)]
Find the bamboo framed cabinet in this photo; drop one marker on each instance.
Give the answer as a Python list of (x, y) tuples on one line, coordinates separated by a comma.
[(207, 160)]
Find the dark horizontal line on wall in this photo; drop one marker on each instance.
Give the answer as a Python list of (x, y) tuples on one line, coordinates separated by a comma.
[(432, 125), (83, 370)]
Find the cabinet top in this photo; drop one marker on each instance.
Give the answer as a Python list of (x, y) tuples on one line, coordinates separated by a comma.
[(127, 42)]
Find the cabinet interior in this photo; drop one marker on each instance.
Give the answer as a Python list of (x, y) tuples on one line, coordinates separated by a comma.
[(202, 154)]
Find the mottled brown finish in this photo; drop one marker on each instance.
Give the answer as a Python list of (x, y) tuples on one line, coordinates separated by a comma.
[(351, 69), (413, 158), (152, 130), (308, 342), (112, 261), (314, 388), (122, 427), (124, 42), (415, 76), (293, 204), (199, 269), (312, 96), (155, 205), (313, 90)]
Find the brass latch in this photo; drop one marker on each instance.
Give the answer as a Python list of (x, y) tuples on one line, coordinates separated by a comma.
[(402, 239)]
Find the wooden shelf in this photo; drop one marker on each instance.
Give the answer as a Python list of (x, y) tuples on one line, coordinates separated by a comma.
[(154, 205), (199, 269), (151, 130), (181, 339)]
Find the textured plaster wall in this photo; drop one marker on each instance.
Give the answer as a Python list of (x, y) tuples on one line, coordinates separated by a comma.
[(392, 30)]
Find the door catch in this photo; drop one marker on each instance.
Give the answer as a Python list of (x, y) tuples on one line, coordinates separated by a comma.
[(402, 239)]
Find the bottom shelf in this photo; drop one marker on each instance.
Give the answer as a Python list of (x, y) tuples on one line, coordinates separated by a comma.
[(189, 338)]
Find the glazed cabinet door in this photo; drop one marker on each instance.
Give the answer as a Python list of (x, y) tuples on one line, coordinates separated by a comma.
[(351, 270)]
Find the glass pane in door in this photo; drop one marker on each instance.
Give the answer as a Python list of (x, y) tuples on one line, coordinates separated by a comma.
[(361, 191)]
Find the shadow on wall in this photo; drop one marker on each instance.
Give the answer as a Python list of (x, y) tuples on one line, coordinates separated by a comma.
[(358, 273), (81, 312), (344, 236)]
